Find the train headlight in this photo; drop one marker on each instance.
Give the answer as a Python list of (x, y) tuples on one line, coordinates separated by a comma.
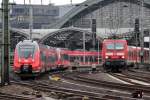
[(19, 60), (122, 57), (106, 57)]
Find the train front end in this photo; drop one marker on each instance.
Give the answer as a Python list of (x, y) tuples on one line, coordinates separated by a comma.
[(114, 54), (26, 57)]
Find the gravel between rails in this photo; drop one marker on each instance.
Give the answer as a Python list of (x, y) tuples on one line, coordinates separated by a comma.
[(119, 86), (91, 95), (4, 96)]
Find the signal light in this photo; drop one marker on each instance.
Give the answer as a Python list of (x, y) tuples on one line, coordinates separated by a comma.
[(136, 25)]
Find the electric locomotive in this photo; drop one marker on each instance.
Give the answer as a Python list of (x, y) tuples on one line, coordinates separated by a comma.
[(114, 54)]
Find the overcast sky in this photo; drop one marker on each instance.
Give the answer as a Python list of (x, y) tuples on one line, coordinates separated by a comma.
[(56, 2)]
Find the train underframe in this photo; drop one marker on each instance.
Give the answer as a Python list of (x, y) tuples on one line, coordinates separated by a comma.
[(114, 65), (26, 71)]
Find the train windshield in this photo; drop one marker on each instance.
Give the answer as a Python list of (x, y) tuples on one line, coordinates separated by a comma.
[(26, 51), (117, 46), (110, 46)]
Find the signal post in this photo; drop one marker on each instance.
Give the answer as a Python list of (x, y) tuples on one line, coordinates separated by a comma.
[(5, 44)]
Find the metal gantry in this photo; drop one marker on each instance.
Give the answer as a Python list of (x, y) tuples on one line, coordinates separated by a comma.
[(142, 30), (31, 20)]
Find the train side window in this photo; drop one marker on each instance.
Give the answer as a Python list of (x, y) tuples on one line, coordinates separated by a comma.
[(86, 59), (41, 56), (71, 58), (81, 58), (65, 56), (91, 58), (129, 54), (49, 59), (95, 58)]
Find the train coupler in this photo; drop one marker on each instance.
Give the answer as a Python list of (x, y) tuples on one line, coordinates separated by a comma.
[(137, 94)]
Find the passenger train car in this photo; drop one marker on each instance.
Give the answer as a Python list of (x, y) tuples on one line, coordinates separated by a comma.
[(134, 55), (84, 58), (62, 58), (116, 54), (31, 58)]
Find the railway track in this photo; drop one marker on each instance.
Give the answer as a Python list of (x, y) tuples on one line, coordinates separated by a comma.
[(144, 78), (132, 79), (70, 92), (86, 87), (139, 71), (126, 87), (142, 74), (5, 96), (63, 91)]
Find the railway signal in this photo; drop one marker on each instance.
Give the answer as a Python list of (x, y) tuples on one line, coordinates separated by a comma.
[(94, 32), (137, 32)]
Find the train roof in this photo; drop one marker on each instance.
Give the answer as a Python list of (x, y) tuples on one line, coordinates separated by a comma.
[(81, 53), (112, 40), (139, 48), (27, 42)]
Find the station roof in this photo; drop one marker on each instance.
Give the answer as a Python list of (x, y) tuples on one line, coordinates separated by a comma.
[(85, 6), (68, 38)]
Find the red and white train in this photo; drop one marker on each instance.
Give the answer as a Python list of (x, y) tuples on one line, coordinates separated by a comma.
[(84, 57), (31, 58), (117, 54)]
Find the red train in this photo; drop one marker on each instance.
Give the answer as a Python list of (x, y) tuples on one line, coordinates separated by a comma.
[(116, 54), (62, 58), (86, 58), (31, 58), (134, 55)]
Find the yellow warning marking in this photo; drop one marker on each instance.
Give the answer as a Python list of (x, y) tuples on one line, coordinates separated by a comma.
[(54, 78), (85, 98)]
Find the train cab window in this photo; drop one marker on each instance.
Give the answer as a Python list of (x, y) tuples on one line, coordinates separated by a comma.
[(26, 51), (110, 46), (117, 46)]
